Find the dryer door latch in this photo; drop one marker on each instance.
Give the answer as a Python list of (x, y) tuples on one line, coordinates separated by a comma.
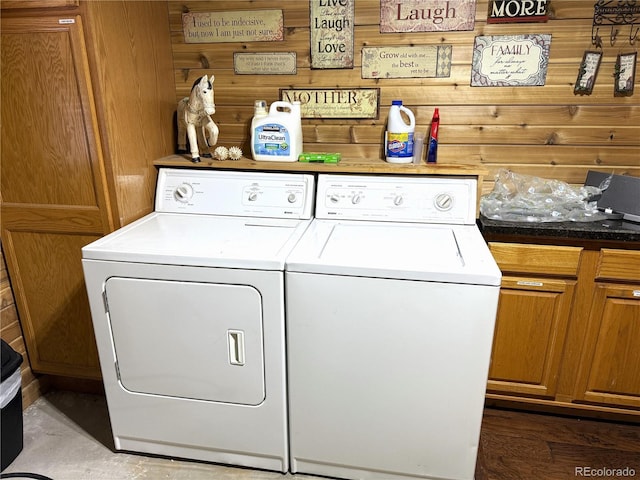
[(235, 340)]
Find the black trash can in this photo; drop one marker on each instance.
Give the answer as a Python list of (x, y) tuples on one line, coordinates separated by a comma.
[(10, 405)]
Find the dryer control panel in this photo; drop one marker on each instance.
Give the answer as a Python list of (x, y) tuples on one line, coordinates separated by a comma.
[(397, 199), (252, 194)]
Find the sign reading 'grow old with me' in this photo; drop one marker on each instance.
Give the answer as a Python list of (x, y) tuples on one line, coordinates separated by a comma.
[(410, 61)]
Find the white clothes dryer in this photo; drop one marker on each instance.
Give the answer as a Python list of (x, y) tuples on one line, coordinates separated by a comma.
[(391, 298), (188, 311)]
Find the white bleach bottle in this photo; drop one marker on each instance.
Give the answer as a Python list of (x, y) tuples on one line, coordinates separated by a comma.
[(398, 138), (276, 136)]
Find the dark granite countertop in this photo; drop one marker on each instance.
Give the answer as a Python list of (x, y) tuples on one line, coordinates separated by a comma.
[(601, 231)]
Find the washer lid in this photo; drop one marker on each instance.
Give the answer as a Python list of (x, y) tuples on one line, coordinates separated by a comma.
[(201, 240), (428, 252)]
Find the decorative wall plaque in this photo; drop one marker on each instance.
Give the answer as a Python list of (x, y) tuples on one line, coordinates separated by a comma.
[(274, 63), (233, 26), (331, 25), (587, 73), (625, 74), (510, 60), (334, 102), (417, 61), (426, 16), (517, 11)]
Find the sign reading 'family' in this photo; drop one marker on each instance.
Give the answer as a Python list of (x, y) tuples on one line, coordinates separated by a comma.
[(510, 60), (331, 33)]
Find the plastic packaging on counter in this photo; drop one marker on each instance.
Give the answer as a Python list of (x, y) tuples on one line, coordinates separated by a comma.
[(525, 198)]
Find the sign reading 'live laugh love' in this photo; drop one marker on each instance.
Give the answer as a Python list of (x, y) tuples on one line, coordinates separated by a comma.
[(331, 33)]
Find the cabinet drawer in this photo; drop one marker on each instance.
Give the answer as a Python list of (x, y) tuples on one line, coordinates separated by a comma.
[(539, 259), (619, 265)]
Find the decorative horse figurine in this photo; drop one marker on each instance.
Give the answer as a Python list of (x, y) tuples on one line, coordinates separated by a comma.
[(195, 111)]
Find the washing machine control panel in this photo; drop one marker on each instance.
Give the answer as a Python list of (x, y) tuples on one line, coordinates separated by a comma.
[(393, 198), (256, 194)]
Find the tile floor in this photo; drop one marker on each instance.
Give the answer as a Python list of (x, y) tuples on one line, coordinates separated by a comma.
[(67, 436)]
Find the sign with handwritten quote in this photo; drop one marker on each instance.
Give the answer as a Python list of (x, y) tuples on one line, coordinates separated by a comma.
[(431, 16), (331, 25), (233, 26), (510, 60)]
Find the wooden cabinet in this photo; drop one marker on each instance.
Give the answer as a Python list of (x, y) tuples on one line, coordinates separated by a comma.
[(610, 364), (568, 328), (87, 103), (533, 312)]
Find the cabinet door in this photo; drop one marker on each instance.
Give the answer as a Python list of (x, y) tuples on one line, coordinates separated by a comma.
[(610, 366), (53, 195), (530, 330)]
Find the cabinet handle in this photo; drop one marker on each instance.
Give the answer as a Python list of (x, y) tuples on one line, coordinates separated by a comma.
[(529, 283), (235, 340)]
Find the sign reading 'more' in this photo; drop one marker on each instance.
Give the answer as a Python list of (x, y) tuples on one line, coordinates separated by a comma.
[(521, 11)]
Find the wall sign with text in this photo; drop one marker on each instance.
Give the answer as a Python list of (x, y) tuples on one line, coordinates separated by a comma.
[(510, 60), (267, 63), (331, 25), (625, 74), (517, 11), (431, 16), (587, 73), (334, 102), (411, 61), (233, 26)]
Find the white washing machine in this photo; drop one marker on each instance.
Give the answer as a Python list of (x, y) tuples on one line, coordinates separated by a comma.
[(391, 298), (188, 312)]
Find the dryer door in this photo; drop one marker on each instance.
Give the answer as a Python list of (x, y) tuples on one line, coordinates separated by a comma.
[(188, 339)]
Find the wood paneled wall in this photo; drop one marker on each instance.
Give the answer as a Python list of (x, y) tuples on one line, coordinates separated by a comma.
[(545, 131)]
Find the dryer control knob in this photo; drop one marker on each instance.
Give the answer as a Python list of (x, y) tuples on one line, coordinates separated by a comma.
[(356, 199), (443, 201), (334, 198), (253, 196), (183, 193), (397, 201), (292, 198)]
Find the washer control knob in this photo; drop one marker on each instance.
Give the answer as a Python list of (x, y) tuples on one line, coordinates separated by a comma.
[(398, 200), (253, 196), (333, 198), (292, 198), (356, 198), (443, 201), (183, 193)]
